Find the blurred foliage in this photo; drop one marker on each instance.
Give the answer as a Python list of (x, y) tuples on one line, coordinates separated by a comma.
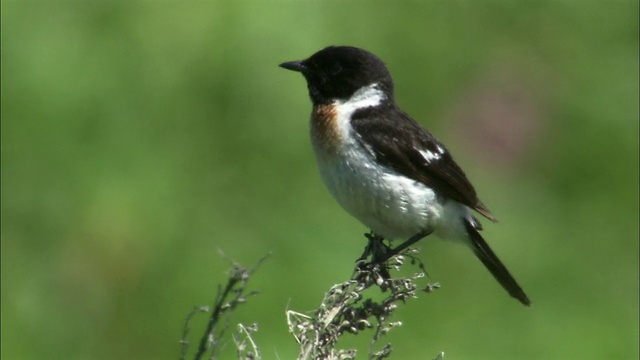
[(140, 136)]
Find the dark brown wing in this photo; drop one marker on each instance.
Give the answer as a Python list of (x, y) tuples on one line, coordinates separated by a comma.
[(400, 143)]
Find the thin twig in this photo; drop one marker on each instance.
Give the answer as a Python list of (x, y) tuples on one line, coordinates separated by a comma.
[(184, 342), (241, 345), (235, 288)]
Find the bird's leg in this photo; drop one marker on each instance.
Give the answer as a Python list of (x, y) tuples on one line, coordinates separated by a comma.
[(379, 252), (379, 258), (412, 240), (373, 247)]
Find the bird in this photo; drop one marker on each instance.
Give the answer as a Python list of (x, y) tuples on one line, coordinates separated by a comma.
[(382, 166)]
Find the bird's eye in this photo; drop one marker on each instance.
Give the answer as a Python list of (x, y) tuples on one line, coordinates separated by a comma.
[(335, 68)]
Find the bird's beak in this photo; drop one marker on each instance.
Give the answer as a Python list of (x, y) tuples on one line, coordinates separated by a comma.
[(294, 66)]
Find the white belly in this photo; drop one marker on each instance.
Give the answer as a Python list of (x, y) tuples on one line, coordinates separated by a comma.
[(390, 204)]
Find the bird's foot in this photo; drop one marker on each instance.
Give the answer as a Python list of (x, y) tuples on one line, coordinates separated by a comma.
[(380, 254)]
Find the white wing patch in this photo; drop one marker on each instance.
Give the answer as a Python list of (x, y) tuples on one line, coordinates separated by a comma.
[(431, 156)]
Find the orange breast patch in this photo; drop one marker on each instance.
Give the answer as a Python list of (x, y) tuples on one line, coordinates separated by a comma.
[(325, 134)]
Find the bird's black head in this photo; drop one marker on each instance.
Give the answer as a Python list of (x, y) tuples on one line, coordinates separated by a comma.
[(336, 72)]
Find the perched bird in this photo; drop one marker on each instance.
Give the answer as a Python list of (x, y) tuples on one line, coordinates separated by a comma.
[(382, 166)]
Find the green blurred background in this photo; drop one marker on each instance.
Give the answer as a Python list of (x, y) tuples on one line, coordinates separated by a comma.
[(138, 137)]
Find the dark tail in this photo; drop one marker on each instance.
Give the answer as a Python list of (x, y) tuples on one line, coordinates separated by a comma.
[(494, 265)]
